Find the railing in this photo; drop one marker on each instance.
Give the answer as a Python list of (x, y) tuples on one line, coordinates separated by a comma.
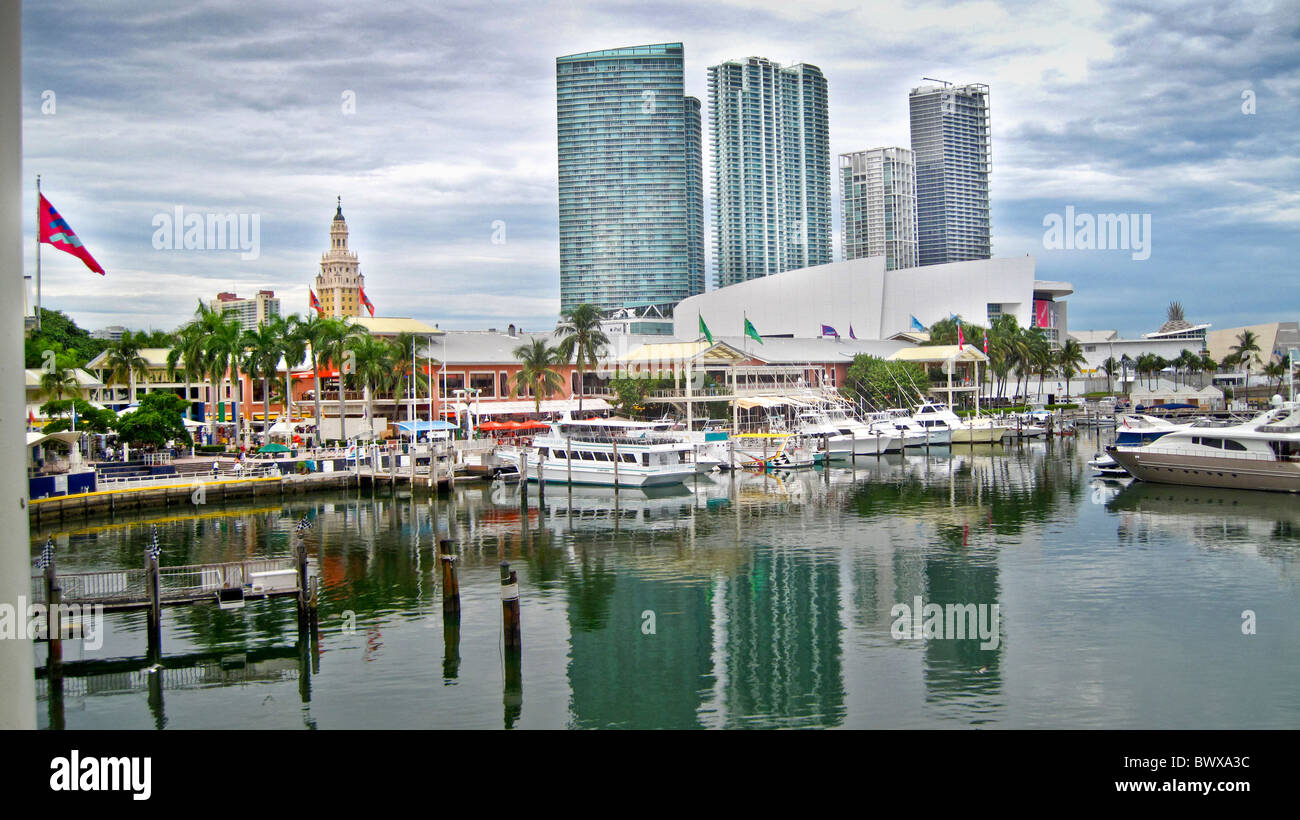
[(145, 481), (1213, 452)]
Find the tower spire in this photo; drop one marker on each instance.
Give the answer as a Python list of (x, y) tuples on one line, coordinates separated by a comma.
[(339, 213)]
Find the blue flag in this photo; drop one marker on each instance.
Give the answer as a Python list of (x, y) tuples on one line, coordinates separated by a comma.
[(916, 324), (827, 330)]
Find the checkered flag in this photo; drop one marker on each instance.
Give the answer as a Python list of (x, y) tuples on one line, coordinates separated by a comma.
[(47, 554), (302, 526), (155, 549)]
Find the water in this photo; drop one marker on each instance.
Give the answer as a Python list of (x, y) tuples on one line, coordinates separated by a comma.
[(763, 604)]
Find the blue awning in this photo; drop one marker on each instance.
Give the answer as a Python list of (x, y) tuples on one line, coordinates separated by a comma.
[(424, 426)]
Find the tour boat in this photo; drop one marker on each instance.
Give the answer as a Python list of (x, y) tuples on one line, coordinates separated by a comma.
[(586, 453), (1260, 454)]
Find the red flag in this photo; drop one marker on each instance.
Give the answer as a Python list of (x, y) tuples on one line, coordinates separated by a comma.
[(961, 337), (314, 302), (31, 419), (54, 231), (366, 301), (986, 343)]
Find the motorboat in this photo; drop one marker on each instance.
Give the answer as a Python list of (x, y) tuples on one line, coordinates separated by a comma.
[(1105, 464), (963, 431), (1260, 454)]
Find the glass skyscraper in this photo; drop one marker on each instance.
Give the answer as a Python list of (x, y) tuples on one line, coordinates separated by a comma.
[(771, 168), (631, 178), (879, 196), (950, 138)]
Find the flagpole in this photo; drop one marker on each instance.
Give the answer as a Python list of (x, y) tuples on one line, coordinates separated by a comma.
[(38, 253)]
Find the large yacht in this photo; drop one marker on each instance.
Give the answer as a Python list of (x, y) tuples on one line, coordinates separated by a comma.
[(936, 415), (1140, 429), (1261, 454), (585, 453)]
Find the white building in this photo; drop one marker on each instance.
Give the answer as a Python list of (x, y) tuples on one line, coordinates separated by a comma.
[(859, 297), (251, 313), (879, 213)]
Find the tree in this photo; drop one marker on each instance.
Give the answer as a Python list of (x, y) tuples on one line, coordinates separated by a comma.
[(158, 421), (581, 340), (376, 370), (336, 340), (1245, 351), (629, 394), (1207, 364), (537, 371), (263, 349), (62, 380), (1276, 370), (223, 352), (310, 332), (1109, 366), (90, 419), (881, 384), (1068, 358), (294, 347), (1125, 362), (125, 363), (60, 333)]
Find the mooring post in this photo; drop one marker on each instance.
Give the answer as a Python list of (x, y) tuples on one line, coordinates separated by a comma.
[(153, 583), (510, 606), (53, 625), (568, 462), (615, 445), (523, 477), (541, 477), (854, 455), (450, 585)]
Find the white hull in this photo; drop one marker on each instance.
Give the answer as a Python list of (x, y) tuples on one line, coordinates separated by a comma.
[(984, 434), (602, 476)]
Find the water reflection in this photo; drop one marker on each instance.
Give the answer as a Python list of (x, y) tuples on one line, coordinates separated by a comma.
[(739, 600)]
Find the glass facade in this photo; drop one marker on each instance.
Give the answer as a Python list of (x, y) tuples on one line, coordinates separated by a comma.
[(771, 168), (879, 195), (950, 140), (630, 178)]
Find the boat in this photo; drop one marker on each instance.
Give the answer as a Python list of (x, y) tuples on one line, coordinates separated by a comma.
[(1260, 454), (766, 451), (856, 437), (969, 431), (920, 435), (1137, 428), (1106, 465), (586, 453)]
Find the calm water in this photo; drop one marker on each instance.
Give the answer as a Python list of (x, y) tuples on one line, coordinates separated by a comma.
[(764, 602)]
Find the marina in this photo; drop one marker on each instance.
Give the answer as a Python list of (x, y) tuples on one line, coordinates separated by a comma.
[(694, 596)]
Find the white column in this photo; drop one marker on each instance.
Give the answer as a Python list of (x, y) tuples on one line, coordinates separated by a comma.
[(17, 676)]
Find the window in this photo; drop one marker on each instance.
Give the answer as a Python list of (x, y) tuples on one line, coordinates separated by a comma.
[(629, 458), (560, 454), (601, 455), (1229, 444), (485, 382)]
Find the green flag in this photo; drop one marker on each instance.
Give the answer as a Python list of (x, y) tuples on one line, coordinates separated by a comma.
[(704, 329), (751, 332)]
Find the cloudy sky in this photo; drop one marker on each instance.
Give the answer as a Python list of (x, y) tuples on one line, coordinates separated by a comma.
[(232, 107)]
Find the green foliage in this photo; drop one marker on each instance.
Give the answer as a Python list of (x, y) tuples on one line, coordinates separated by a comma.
[(60, 334), (629, 394), (90, 419), (1061, 407), (884, 384), (158, 420)]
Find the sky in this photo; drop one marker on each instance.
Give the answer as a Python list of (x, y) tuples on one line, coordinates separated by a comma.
[(435, 123)]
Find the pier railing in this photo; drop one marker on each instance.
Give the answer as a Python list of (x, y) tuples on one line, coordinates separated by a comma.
[(130, 587)]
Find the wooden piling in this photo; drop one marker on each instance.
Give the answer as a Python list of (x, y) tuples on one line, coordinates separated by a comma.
[(153, 583), (53, 624), (510, 606), (450, 584), (615, 445)]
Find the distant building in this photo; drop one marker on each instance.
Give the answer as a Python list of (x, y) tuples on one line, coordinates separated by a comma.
[(858, 297), (251, 313), (771, 168), (653, 320), (950, 138), (339, 283), (112, 333), (879, 195), (630, 178)]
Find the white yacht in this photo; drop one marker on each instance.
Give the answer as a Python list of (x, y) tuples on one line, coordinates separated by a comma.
[(857, 438), (936, 415), (910, 432), (589, 453), (1261, 454)]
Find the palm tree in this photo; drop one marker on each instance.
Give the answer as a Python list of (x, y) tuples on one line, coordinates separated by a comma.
[(223, 352), (60, 381), (336, 341), (1068, 358), (1109, 366), (125, 363), (1158, 365), (537, 371), (376, 370), (191, 348), (1246, 349), (581, 340), (1276, 370), (310, 334), (1125, 362), (293, 347), (264, 347), (1207, 365)]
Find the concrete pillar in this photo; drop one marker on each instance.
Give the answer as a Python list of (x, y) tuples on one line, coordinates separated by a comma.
[(17, 675)]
